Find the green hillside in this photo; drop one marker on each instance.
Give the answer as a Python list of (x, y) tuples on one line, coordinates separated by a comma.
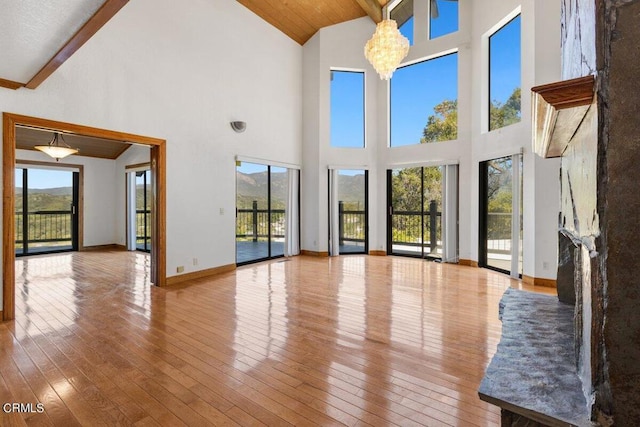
[(50, 199), (253, 186)]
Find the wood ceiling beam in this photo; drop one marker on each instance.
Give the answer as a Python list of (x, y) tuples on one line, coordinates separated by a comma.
[(88, 30), (372, 8), (10, 84)]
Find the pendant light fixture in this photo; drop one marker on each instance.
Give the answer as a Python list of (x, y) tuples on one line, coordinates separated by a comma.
[(57, 147), (387, 48)]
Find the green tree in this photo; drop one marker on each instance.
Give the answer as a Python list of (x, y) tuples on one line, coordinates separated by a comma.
[(443, 124), (504, 115)]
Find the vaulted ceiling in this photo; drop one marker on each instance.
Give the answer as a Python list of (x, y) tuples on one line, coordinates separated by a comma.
[(37, 37)]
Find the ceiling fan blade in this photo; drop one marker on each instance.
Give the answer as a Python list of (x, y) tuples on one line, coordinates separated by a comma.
[(434, 9)]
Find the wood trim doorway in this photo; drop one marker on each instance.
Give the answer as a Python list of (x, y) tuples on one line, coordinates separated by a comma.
[(158, 168)]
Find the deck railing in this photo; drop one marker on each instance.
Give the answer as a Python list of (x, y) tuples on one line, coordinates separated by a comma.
[(44, 226), (143, 226), (253, 224), (408, 226)]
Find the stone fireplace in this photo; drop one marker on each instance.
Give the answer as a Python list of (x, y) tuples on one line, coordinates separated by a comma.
[(598, 234)]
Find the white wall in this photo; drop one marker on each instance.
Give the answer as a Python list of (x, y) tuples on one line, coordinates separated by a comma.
[(99, 195), (342, 46), (182, 71)]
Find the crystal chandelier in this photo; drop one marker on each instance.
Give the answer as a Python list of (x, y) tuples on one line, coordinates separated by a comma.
[(56, 149), (386, 49)]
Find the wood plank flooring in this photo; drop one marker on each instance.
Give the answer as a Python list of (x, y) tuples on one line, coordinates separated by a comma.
[(353, 340)]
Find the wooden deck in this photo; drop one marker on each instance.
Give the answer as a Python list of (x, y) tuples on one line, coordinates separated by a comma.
[(352, 341)]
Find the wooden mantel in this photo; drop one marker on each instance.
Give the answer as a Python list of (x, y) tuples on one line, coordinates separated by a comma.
[(557, 111)]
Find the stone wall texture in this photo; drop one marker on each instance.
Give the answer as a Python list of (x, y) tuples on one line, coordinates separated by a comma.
[(601, 203), (618, 295)]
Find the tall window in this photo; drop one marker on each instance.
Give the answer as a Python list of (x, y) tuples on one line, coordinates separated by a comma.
[(347, 109), (424, 102), (504, 75), (402, 13), (443, 17)]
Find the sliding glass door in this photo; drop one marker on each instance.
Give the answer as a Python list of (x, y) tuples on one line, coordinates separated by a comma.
[(262, 197), (46, 210), (143, 210), (348, 211), (501, 215), (415, 198), (277, 209)]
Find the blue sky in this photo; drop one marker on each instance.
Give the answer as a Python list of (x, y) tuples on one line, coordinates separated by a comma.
[(347, 109), (417, 89), (504, 61), (46, 178), (249, 168)]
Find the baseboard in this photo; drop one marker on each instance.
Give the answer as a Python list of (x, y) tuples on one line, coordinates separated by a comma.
[(539, 281), (173, 280), (468, 262), (313, 253), (111, 247), (378, 253)]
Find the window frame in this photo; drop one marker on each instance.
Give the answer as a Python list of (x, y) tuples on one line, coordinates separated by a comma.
[(364, 106), (441, 54), (507, 20)]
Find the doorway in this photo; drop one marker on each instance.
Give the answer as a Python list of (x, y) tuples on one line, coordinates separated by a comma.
[(422, 212), (142, 225), (348, 211), (158, 167), (500, 232), (415, 212), (47, 209), (262, 204)]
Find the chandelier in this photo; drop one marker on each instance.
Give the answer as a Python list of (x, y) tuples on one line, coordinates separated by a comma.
[(386, 49), (56, 149)]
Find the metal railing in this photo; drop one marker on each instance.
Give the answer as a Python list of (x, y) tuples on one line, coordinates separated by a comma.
[(143, 229), (351, 225), (499, 232), (253, 223), (44, 226), (407, 227)]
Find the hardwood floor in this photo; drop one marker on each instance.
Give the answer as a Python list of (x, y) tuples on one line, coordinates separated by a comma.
[(354, 340)]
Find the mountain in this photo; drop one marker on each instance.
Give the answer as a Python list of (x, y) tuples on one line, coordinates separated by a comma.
[(59, 191), (253, 186)]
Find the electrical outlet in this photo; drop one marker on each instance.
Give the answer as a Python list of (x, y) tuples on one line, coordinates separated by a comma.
[(221, 211), (180, 269), (545, 265), (195, 261)]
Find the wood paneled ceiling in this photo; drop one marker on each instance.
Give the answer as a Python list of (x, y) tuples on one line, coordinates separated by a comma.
[(301, 19), (27, 138)]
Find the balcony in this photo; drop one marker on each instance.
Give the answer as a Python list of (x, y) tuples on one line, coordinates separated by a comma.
[(48, 231)]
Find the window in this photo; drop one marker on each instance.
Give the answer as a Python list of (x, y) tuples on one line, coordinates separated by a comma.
[(347, 109), (504, 75), (424, 102), (443, 17), (402, 13)]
